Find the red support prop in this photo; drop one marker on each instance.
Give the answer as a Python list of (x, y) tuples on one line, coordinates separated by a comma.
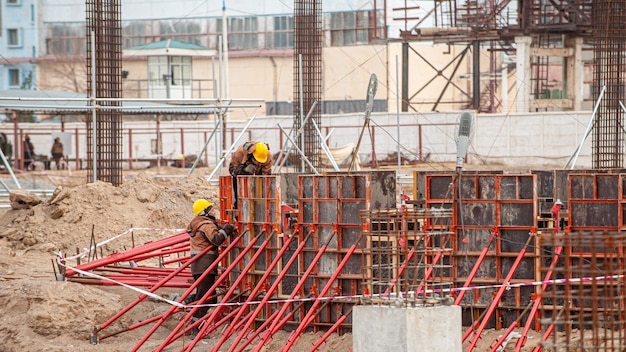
[(276, 325), (521, 342), (125, 256), (260, 285), (293, 337), (189, 290), (232, 289), (474, 271), (209, 293), (498, 295), (272, 289)]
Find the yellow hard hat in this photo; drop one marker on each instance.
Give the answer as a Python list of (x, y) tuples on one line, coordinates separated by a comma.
[(26, 136), (57, 139), (201, 205), (260, 152)]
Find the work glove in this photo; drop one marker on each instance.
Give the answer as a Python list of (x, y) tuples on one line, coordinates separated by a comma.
[(250, 169), (229, 229), (237, 170)]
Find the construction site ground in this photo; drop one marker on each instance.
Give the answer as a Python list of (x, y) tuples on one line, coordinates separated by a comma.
[(39, 313)]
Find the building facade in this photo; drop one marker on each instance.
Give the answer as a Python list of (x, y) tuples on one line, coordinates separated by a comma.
[(19, 43)]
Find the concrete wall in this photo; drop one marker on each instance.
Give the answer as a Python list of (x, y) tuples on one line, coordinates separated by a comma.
[(541, 140)]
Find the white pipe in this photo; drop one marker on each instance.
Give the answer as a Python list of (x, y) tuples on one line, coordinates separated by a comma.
[(587, 131), (301, 106), (230, 149), (8, 167), (398, 118)]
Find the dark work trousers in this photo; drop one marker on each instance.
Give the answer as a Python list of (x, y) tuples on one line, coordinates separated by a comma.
[(235, 192), (197, 268)]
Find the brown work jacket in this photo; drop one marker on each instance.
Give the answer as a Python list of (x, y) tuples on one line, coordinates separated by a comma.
[(241, 156)]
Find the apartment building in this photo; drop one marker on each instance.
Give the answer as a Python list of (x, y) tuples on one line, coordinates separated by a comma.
[(19, 43)]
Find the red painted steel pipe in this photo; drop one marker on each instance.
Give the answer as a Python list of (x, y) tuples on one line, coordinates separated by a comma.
[(197, 323), (189, 290), (276, 325), (208, 294), (227, 334), (494, 347), (272, 289), (474, 271), (497, 343), (293, 337), (499, 293), (134, 326), (155, 287), (233, 287), (545, 337), (521, 342), (330, 331), (173, 250), (124, 256)]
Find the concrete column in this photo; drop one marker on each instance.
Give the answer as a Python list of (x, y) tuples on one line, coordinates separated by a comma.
[(575, 72), (523, 73), (385, 328)]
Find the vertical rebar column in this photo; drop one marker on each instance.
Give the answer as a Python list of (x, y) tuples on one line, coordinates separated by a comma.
[(308, 43), (586, 304), (104, 20), (609, 35)]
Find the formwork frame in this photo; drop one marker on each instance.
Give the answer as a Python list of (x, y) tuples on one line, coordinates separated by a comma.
[(331, 204), (489, 205), (586, 304)]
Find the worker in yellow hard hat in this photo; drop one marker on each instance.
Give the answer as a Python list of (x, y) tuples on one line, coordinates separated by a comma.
[(204, 231), (252, 158)]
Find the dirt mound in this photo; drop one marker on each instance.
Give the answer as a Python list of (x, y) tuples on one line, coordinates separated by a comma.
[(72, 214)]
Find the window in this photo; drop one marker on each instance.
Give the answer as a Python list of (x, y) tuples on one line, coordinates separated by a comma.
[(13, 37), (242, 33), (180, 67), (13, 2), (350, 28), (65, 39), (183, 31), (134, 34), (14, 77), (180, 70), (283, 32)]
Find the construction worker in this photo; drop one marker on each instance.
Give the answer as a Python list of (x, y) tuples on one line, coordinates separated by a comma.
[(29, 153), (205, 231), (252, 158), (57, 152)]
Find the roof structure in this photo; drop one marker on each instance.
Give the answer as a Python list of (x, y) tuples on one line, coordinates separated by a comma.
[(169, 48), (46, 101)]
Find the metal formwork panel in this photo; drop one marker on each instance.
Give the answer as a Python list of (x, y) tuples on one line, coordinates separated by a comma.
[(594, 201), (259, 216), (330, 206), (498, 205), (226, 199)]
